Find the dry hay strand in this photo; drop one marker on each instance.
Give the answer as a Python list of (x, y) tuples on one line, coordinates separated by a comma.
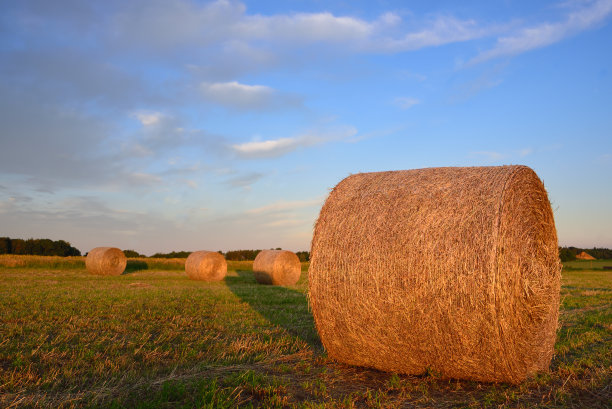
[(108, 261), (277, 267), (585, 256), (140, 285), (206, 266), (455, 270)]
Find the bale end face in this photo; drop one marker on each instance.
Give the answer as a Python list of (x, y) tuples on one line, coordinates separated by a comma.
[(277, 267), (106, 261), (453, 269), (206, 266)]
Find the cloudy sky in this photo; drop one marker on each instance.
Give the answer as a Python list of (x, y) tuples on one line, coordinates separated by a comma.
[(161, 125)]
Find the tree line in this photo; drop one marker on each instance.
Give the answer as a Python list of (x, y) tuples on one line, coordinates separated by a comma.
[(38, 247), (48, 247), (569, 253), (232, 255)]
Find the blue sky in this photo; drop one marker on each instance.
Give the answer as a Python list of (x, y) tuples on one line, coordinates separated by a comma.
[(186, 125)]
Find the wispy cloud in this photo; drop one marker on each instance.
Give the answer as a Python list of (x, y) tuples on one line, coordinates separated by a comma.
[(236, 95), (245, 180), (439, 31), (606, 157), (285, 223), (588, 15), (277, 147), (229, 23), (142, 179), (495, 156), (148, 118), (490, 78), (283, 206), (490, 156), (406, 102)]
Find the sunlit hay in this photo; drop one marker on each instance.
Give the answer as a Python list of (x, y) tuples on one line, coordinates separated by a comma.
[(277, 267), (206, 265), (455, 270), (106, 261), (140, 285)]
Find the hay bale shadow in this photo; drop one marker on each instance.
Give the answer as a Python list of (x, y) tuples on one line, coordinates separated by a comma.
[(133, 266), (281, 306)]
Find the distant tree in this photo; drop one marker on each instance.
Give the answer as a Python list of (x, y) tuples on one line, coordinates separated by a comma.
[(18, 246), (172, 254), (132, 253), (241, 255), (566, 254), (39, 247), (303, 255), (5, 245), (600, 253)]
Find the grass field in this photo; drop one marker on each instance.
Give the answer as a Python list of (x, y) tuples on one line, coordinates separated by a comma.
[(151, 338), (587, 264)]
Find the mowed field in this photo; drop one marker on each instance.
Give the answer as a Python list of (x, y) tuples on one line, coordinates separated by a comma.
[(152, 338)]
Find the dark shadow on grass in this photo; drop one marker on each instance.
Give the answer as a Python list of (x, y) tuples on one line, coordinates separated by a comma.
[(283, 307), (135, 265)]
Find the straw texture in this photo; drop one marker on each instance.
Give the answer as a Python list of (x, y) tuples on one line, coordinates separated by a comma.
[(451, 269), (277, 267), (108, 261), (206, 265)]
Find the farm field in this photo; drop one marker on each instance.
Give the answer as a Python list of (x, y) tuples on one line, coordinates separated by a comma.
[(587, 264), (152, 338)]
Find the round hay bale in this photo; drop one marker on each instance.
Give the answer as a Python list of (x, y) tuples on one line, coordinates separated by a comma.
[(450, 269), (109, 261), (277, 267), (206, 265)]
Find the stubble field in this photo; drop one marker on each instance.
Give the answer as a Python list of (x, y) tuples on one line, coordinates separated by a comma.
[(152, 338)]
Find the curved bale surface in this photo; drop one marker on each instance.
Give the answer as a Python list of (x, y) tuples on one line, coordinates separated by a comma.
[(277, 267), (108, 261), (206, 265), (452, 269)]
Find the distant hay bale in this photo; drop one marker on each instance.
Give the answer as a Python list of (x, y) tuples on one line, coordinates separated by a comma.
[(108, 261), (585, 256), (277, 267), (452, 269), (206, 265)]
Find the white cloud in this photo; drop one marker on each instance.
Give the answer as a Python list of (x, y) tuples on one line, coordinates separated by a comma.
[(148, 118), (406, 102), (246, 180), (440, 31), (142, 178), (228, 22), (283, 206), (305, 28), (238, 95), (281, 146), (285, 223), (271, 147), (545, 34)]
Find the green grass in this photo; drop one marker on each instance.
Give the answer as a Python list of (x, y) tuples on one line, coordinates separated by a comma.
[(577, 265), (152, 338)]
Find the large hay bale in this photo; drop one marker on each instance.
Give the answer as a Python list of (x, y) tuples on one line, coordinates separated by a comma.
[(450, 269), (277, 267), (108, 261), (206, 265)]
